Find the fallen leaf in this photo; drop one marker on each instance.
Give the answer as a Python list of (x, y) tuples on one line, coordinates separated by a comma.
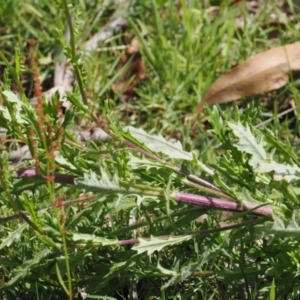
[(259, 74)]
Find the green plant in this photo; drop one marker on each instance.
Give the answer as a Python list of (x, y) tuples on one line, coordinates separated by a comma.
[(137, 213)]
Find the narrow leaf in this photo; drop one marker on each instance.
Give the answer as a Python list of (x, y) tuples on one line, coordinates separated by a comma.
[(100, 297), (157, 143), (272, 290), (60, 278), (144, 163), (156, 244), (90, 238)]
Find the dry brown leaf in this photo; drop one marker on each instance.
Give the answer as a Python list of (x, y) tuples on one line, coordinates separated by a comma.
[(259, 74)]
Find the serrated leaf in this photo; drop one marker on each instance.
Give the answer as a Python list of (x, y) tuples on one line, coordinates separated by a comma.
[(202, 166), (248, 143), (159, 144), (27, 266), (281, 171), (63, 162), (279, 228), (76, 102), (90, 182), (156, 244), (5, 113), (14, 235), (286, 172), (214, 118), (144, 163), (125, 202), (140, 199), (278, 224), (260, 161), (91, 238), (13, 98)]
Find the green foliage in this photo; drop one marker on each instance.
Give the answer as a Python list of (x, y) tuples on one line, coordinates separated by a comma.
[(155, 244), (158, 144), (99, 217)]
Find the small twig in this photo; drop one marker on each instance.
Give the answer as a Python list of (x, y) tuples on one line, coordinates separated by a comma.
[(59, 178), (278, 116)]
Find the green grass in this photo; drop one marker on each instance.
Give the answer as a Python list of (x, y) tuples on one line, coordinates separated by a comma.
[(185, 46)]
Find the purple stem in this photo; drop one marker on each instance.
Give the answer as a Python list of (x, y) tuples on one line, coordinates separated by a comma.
[(221, 203), (60, 178), (216, 203), (197, 179), (176, 169)]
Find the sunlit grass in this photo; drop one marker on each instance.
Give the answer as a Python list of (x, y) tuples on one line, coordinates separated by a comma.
[(185, 46)]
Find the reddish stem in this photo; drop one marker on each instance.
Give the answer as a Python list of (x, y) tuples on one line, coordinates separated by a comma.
[(222, 203)]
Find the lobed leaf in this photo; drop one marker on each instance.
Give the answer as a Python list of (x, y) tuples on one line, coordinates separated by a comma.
[(157, 244), (260, 161), (159, 144), (281, 171), (90, 182), (279, 228), (248, 143), (18, 105), (91, 238), (14, 235), (144, 163)]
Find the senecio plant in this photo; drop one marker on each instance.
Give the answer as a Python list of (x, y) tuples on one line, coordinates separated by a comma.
[(136, 215)]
